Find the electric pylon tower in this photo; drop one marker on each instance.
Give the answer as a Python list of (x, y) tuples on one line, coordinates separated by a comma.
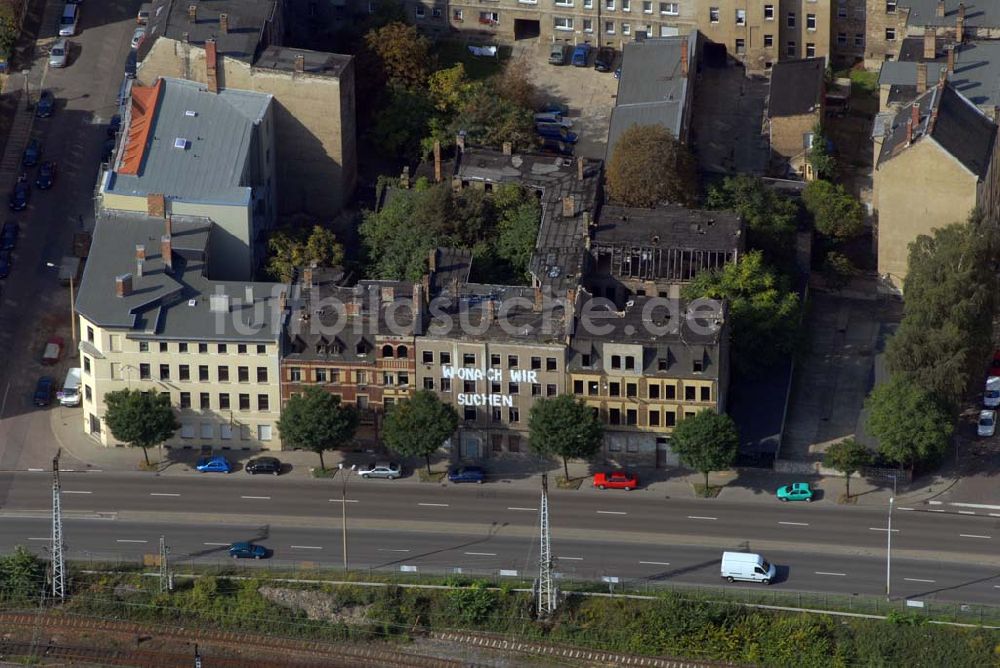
[(546, 590), (58, 564)]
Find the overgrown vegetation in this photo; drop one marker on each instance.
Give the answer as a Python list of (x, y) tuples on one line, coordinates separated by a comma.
[(649, 166), (771, 218)]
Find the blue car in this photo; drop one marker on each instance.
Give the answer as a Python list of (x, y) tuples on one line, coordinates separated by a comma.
[(247, 551), (18, 200), (114, 126), (555, 131), (43, 391), (474, 474), (8, 236), (46, 175), (46, 104), (217, 464), (32, 153), (581, 55)]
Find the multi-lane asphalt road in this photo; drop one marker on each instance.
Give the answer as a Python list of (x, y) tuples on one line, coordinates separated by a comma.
[(484, 529)]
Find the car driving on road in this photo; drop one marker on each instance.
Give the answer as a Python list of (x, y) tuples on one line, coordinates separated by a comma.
[(246, 550)]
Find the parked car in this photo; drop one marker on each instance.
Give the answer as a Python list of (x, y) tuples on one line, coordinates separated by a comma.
[(387, 470), (138, 35), (69, 19), (108, 150), (58, 53), (557, 54), (19, 195), (616, 480), (995, 364), (46, 104), (9, 234), (5, 260), (142, 18), (467, 474), (216, 464), (987, 423), (991, 395), (553, 118), (53, 350), (581, 55), (32, 153), (131, 63), (554, 108), (263, 465), (43, 391), (797, 491), (46, 175), (604, 61), (114, 125), (247, 551), (555, 147), (553, 131), (618, 72)]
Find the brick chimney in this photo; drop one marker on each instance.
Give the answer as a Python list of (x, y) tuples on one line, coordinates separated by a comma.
[(300, 63), (223, 23), (490, 311), (960, 24), (167, 253), (156, 205), (352, 308), (282, 301), (581, 165), (930, 43), (211, 66), (940, 9), (684, 57), (951, 60), (307, 276), (921, 77), (140, 258), (387, 293), (168, 225), (123, 285), (539, 300), (568, 206), (193, 13), (508, 148), (437, 161), (432, 260)]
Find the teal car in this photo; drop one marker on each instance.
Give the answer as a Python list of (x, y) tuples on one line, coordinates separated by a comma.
[(797, 491)]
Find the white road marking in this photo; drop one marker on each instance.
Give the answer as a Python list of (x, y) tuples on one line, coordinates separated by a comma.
[(262, 498), (795, 524), (994, 514), (434, 505), (481, 554), (966, 512), (388, 549), (217, 544), (343, 500), (655, 563), (935, 510), (972, 535), (882, 529), (129, 540), (905, 508), (39, 539), (699, 517), (611, 512), (36, 470), (828, 573), (75, 491), (532, 510), (163, 494), (305, 547), (920, 580), (984, 506), (935, 503), (571, 558)]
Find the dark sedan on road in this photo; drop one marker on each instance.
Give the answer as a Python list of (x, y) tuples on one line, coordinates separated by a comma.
[(247, 551), (19, 195), (467, 474), (46, 175), (43, 391), (8, 235), (46, 104), (5, 260), (263, 465), (32, 153)]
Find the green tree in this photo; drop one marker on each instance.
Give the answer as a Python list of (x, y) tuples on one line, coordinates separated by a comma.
[(22, 576), (565, 427), (447, 87), (140, 419), (399, 126), (316, 420), (847, 456), (763, 312), (910, 425), (838, 269), (419, 426), (835, 211), (489, 119), (514, 85), (771, 218), (707, 441), (404, 55), (824, 165), (293, 249), (649, 166)]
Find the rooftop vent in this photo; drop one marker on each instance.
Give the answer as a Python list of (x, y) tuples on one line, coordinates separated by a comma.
[(190, 112), (180, 143), (192, 302)]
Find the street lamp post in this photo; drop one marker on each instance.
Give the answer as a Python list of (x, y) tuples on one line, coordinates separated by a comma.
[(72, 300), (888, 552), (344, 473)]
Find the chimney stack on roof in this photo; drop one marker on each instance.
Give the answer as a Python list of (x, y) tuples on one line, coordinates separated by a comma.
[(300, 62), (581, 165), (307, 276), (940, 9), (387, 294), (960, 24), (404, 178), (156, 205), (684, 57), (123, 285), (930, 43), (432, 260), (248, 294), (223, 23), (921, 77), (507, 148), (539, 300), (168, 225), (282, 301), (437, 161), (140, 258), (490, 311), (568, 206), (167, 253), (193, 13), (211, 65), (951, 60)]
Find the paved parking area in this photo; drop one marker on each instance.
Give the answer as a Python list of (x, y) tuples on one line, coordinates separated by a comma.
[(589, 94)]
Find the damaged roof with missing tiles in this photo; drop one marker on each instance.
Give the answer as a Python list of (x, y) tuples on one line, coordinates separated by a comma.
[(247, 24), (669, 226)]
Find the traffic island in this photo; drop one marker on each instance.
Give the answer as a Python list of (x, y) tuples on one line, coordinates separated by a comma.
[(562, 482), (323, 473), (706, 491)]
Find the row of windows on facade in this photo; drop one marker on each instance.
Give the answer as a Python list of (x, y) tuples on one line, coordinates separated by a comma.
[(654, 391), (207, 431), (321, 375), (664, 8), (468, 359), (184, 347), (223, 401), (714, 16), (184, 372), (629, 417)]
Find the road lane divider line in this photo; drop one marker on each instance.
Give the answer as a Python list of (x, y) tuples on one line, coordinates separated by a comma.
[(984, 506), (795, 524), (39, 539), (434, 505), (163, 494), (700, 517), (920, 580), (935, 503), (611, 512), (262, 498), (966, 512), (130, 540), (217, 544), (343, 500), (532, 510), (905, 508), (882, 529), (839, 575), (936, 510), (389, 549), (75, 491), (570, 558), (655, 563), (994, 514), (481, 554), (305, 547), (972, 535), (36, 470)]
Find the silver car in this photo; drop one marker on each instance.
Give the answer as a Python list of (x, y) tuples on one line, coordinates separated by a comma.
[(58, 53), (387, 470)]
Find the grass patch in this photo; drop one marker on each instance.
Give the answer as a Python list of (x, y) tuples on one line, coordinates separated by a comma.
[(864, 81), (562, 482), (844, 499), (431, 476), (476, 67), (706, 492), (151, 466), (323, 473)]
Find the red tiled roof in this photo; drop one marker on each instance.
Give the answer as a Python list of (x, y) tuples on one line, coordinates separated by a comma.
[(144, 101)]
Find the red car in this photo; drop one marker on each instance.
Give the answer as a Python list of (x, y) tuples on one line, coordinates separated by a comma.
[(616, 480), (53, 350)]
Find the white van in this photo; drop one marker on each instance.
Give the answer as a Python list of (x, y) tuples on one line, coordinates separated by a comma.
[(747, 567), (69, 395), (68, 20)]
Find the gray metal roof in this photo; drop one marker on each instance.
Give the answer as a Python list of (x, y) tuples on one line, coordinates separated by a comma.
[(314, 62), (217, 140), (796, 87), (669, 226), (978, 13), (174, 304), (976, 75), (652, 90), (248, 22)]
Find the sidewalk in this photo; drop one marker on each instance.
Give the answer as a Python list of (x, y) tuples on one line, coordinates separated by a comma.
[(82, 452)]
